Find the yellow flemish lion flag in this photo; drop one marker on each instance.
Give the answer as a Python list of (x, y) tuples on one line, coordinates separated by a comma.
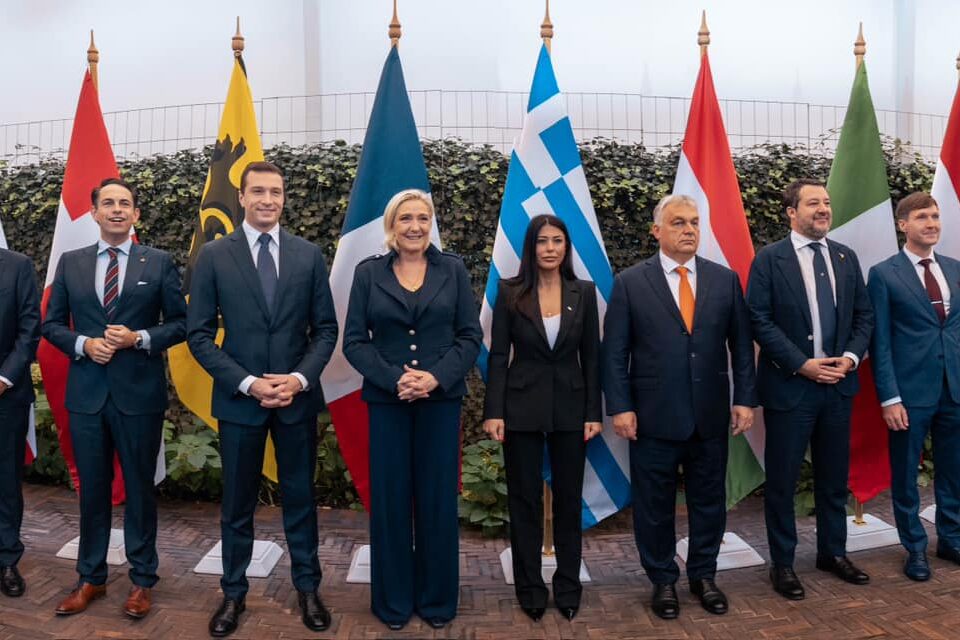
[(237, 145)]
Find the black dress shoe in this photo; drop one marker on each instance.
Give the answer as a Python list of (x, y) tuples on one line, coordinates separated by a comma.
[(314, 615), (946, 552), (396, 626), (11, 582), (786, 583), (665, 602), (436, 623), (711, 598), (224, 621), (841, 567), (916, 566), (534, 613), (568, 612)]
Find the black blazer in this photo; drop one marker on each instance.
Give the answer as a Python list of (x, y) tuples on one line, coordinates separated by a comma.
[(545, 389), (298, 334), (19, 325), (780, 314), (382, 333), (677, 382), (135, 379)]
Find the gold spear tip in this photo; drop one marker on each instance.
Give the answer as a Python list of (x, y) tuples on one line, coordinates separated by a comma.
[(394, 31), (703, 36), (546, 28), (93, 54), (860, 46), (237, 42)]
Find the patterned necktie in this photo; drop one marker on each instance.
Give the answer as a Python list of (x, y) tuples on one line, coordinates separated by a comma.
[(933, 290), (687, 301), (110, 284), (825, 303), (267, 270)]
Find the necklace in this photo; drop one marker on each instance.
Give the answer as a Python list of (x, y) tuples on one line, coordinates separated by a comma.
[(409, 285)]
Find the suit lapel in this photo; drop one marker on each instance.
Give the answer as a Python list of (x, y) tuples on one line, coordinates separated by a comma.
[(839, 261), (658, 282), (704, 286), (389, 283), (908, 275), (537, 319), (87, 266), (789, 267), (240, 251), (136, 263), (569, 302), (288, 266), (952, 275), (433, 281)]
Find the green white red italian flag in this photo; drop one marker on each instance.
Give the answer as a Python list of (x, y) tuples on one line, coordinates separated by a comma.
[(863, 220)]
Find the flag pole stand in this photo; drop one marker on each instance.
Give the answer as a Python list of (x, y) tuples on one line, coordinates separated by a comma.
[(116, 551), (930, 514), (865, 531)]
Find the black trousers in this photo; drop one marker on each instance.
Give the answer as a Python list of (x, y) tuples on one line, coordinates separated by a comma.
[(13, 432), (136, 440), (241, 452), (654, 470), (523, 457)]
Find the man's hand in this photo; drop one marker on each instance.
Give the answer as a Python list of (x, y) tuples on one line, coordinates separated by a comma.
[(415, 384), (826, 370), (896, 417), (119, 337), (591, 429), (3, 387), (494, 428), (741, 419), (625, 424), (285, 387), (98, 350)]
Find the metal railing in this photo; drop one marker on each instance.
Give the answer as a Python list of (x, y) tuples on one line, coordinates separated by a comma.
[(486, 117)]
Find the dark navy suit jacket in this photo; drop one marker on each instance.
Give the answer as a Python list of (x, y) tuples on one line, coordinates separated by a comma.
[(677, 382), (783, 328), (298, 334), (19, 325), (135, 379), (441, 335), (912, 352)]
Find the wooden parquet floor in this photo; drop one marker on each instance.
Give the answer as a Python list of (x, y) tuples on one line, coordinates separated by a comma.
[(615, 604)]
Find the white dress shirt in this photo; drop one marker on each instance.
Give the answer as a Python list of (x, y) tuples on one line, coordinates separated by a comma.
[(673, 276)]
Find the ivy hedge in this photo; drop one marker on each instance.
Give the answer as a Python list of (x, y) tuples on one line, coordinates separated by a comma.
[(626, 180)]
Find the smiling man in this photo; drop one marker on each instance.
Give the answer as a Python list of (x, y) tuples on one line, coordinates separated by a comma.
[(812, 318), (114, 308)]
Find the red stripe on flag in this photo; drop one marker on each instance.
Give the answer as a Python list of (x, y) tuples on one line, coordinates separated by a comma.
[(869, 454), (950, 151), (351, 421)]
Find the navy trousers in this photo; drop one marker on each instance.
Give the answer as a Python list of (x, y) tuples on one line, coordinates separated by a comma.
[(13, 433), (822, 420), (414, 533), (136, 440), (942, 422), (241, 451), (654, 470)]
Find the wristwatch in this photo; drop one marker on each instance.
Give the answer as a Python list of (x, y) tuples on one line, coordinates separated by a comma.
[(138, 343)]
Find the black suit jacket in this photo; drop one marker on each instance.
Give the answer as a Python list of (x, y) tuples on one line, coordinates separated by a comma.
[(440, 335), (677, 382), (298, 334), (150, 299), (545, 389), (19, 325), (782, 326)]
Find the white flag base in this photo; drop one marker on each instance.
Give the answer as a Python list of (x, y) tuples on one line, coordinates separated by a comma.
[(116, 551), (873, 533), (548, 566), (359, 572), (265, 556), (930, 514), (735, 553)]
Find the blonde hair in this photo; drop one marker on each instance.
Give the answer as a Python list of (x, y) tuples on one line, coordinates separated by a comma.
[(672, 200), (390, 212)]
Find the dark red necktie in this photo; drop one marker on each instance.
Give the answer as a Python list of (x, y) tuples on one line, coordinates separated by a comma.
[(110, 282), (933, 290)]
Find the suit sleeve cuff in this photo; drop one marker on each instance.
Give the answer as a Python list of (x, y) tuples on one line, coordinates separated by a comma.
[(303, 380), (144, 340), (6, 382), (891, 402), (78, 347), (244, 386), (852, 356)]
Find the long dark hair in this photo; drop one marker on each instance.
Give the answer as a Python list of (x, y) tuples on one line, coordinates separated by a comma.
[(523, 285)]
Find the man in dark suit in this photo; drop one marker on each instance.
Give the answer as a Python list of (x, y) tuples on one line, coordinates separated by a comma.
[(114, 308), (916, 366), (668, 328), (812, 319), (271, 290), (19, 335)]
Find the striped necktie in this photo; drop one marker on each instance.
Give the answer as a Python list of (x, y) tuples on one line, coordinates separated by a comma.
[(110, 284)]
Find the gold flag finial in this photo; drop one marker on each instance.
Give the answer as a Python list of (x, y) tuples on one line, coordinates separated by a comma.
[(93, 59), (237, 42), (546, 28), (860, 47), (958, 62), (703, 36), (394, 31)]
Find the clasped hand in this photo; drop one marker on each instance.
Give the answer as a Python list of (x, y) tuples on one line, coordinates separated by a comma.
[(275, 390), (826, 370), (115, 337), (415, 384)]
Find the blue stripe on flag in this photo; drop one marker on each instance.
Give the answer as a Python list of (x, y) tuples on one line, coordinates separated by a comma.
[(587, 518), (561, 145), (482, 362), (611, 476), (493, 285), (544, 82)]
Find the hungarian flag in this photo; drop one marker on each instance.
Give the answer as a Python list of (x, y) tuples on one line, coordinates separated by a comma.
[(236, 146), (707, 175), (89, 160), (30, 454), (946, 184), (391, 161), (863, 220)]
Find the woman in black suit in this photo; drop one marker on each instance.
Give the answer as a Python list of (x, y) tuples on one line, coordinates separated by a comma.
[(549, 392), (413, 333)]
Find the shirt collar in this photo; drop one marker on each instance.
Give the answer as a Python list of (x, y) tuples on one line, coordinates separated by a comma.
[(103, 245), (253, 235), (669, 264), (915, 259), (800, 241)]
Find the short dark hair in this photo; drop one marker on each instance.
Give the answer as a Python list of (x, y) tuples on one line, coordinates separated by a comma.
[(791, 195), (259, 167), (912, 202), (120, 182)]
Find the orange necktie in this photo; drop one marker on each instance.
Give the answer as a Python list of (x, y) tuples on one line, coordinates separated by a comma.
[(686, 299)]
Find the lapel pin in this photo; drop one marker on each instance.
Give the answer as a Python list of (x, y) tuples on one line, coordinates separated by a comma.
[(142, 259), (569, 308)]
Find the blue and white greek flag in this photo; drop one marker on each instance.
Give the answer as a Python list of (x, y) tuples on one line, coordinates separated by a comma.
[(546, 176)]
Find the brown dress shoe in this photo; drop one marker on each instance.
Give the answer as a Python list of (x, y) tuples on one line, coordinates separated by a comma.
[(138, 602), (80, 598)]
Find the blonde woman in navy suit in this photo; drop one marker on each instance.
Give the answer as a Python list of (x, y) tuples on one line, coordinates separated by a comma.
[(549, 393), (412, 332)]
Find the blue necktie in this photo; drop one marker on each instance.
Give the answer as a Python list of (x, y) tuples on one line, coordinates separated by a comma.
[(267, 270), (825, 303)]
